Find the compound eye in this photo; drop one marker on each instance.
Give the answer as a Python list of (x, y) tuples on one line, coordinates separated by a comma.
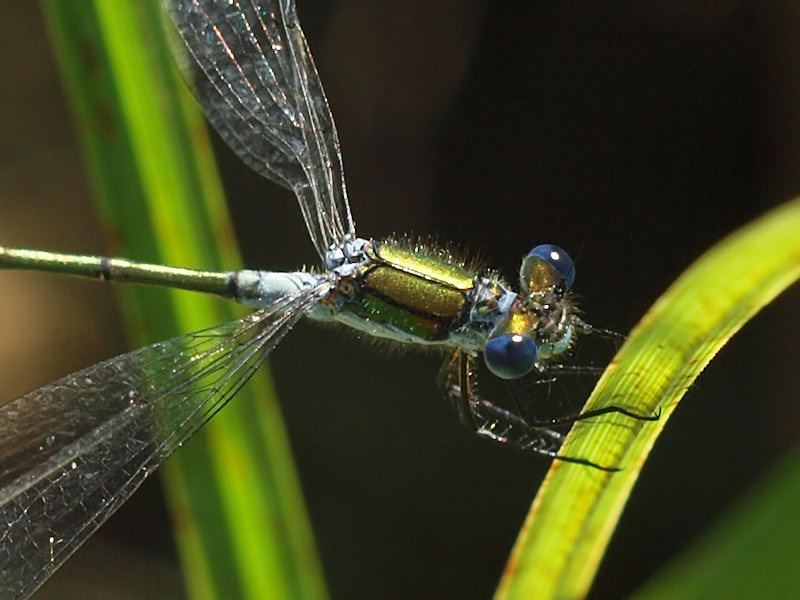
[(510, 356), (545, 266)]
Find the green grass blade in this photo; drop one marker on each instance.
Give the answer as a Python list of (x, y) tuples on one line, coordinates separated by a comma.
[(750, 553), (577, 508), (240, 523)]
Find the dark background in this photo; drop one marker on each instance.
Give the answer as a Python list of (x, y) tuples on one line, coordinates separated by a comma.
[(634, 135)]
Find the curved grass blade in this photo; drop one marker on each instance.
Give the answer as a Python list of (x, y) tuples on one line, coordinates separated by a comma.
[(241, 532), (576, 510)]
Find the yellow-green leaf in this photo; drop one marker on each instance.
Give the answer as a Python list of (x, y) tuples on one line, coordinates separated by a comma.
[(577, 508)]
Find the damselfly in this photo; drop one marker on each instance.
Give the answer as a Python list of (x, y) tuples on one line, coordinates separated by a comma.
[(71, 452)]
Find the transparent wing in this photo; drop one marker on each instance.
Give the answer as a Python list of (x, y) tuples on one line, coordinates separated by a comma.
[(253, 74), (73, 451)]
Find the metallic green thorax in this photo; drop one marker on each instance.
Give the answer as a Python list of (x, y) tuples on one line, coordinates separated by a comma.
[(420, 292)]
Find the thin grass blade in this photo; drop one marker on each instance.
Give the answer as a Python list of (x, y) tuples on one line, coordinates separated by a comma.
[(240, 523), (577, 508)]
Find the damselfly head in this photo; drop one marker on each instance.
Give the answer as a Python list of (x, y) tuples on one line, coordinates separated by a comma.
[(540, 322)]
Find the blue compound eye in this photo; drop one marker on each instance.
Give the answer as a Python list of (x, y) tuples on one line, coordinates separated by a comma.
[(547, 265), (557, 259), (510, 356)]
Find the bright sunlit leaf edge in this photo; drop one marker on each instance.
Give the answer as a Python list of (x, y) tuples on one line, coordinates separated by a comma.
[(576, 510)]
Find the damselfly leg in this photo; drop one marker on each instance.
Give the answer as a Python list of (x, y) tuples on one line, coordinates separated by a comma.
[(517, 428)]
